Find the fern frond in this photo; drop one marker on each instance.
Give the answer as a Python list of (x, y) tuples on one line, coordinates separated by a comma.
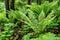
[(41, 16)]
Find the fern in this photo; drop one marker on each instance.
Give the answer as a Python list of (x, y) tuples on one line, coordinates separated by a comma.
[(37, 26), (46, 7)]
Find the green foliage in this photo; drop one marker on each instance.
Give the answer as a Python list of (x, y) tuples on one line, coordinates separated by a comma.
[(46, 7), (4, 35), (2, 7), (39, 23), (46, 36), (30, 22)]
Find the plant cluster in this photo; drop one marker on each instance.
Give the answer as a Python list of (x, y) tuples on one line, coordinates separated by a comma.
[(31, 22)]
